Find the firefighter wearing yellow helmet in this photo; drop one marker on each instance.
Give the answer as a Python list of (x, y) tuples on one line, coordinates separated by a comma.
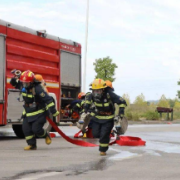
[(102, 115)]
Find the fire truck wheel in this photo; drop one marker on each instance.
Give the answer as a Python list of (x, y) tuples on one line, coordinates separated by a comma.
[(17, 128)]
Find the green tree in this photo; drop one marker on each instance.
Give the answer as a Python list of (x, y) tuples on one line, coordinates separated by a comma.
[(140, 100), (105, 69), (127, 98), (163, 102)]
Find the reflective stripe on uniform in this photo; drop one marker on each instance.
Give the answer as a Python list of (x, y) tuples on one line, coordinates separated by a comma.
[(92, 114), (78, 105), (106, 104), (122, 105), (121, 115), (35, 113), (27, 95), (101, 105), (24, 112), (105, 117), (29, 137), (50, 104), (88, 102), (104, 145), (82, 103), (55, 114), (98, 104)]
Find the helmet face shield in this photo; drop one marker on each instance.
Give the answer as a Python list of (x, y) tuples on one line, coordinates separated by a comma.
[(26, 84), (97, 93)]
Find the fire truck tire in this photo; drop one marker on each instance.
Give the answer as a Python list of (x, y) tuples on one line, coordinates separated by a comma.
[(17, 128)]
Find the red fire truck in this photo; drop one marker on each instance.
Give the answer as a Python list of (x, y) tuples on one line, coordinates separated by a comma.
[(57, 60)]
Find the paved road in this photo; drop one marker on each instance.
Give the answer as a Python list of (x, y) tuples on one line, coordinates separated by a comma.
[(159, 159)]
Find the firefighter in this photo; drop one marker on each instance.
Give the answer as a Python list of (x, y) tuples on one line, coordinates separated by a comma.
[(78, 107), (36, 105), (103, 114), (109, 85), (40, 79), (120, 126)]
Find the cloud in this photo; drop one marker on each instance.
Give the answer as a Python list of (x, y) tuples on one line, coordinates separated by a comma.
[(142, 37)]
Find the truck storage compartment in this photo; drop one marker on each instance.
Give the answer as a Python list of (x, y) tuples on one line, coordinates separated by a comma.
[(68, 94)]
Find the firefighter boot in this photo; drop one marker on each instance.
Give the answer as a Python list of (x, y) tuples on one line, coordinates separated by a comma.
[(102, 153), (30, 147), (84, 135), (48, 139)]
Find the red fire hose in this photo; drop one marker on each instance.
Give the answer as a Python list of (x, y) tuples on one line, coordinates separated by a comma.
[(123, 140), (73, 141)]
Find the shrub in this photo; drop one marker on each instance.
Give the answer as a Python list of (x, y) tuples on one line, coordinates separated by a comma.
[(135, 116), (152, 115), (128, 115)]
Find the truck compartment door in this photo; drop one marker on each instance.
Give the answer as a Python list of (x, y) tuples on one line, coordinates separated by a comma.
[(15, 107), (70, 69)]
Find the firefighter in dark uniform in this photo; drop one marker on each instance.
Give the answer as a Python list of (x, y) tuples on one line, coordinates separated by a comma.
[(103, 114), (123, 103), (118, 129), (37, 104), (78, 107)]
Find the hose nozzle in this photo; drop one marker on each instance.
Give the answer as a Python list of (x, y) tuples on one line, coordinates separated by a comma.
[(17, 72)]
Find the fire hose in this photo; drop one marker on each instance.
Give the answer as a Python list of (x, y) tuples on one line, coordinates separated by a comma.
[(122, 141), (73, 141)]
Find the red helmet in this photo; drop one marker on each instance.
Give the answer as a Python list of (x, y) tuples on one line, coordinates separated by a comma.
[(81, 94), (27, 76)]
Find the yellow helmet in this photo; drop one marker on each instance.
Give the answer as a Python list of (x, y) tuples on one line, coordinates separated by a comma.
[(98, 84)]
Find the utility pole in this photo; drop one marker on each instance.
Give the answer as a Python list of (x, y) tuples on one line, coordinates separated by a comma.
[(85, 49)]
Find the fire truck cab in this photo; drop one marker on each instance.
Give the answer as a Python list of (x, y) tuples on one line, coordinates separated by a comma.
[(57, 60)]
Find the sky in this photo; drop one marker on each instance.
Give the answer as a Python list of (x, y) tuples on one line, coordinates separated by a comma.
[(142, 37)]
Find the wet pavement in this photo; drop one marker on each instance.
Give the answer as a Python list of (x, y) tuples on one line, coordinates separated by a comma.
[(159, 159)]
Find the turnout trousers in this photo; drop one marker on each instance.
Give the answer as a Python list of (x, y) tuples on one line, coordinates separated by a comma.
[(102, 131), (33, 129)]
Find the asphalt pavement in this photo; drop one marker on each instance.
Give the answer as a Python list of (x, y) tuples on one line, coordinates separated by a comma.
[(159, 159)]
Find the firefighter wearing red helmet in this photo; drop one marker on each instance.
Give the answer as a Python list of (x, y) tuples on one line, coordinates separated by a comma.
[(36, 105), (103, 113)]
